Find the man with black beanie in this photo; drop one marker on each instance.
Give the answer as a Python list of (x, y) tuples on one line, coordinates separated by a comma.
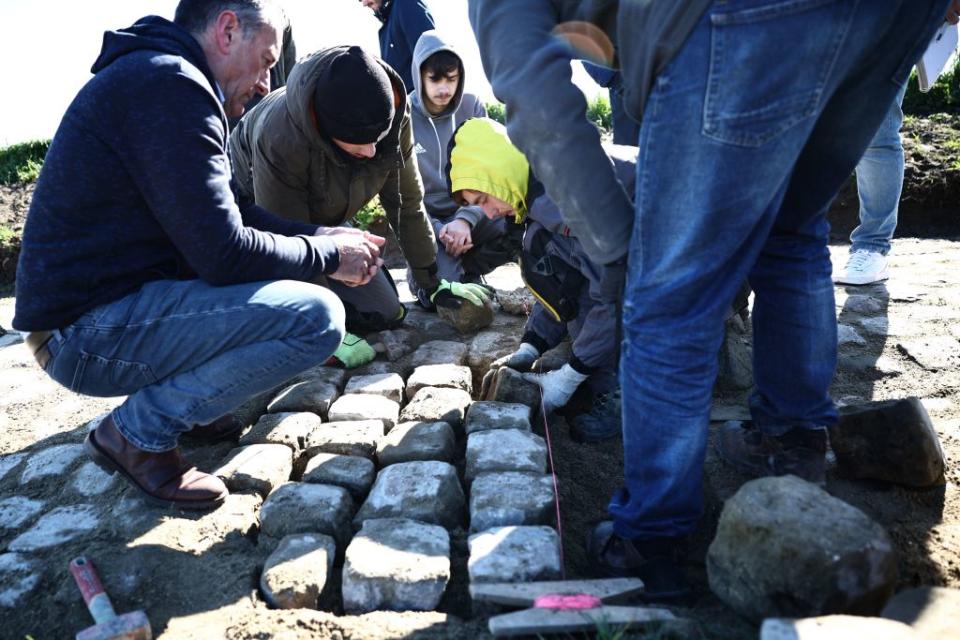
[(320, 149)]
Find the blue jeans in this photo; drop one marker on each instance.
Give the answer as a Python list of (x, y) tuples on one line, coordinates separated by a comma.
[(879, 184), (742, 149), (187, 352)]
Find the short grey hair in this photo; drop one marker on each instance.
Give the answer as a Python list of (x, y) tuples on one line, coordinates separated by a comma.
[(196, 15)]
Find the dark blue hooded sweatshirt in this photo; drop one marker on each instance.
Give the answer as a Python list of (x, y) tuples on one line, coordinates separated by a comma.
[(403, 23), (136, 187)]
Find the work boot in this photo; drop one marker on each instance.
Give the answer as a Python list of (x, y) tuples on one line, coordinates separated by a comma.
[(799, 452), (602, 421), (656, 561), (165, 479), (223, 428)]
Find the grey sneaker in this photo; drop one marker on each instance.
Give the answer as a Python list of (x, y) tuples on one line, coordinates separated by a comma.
[(863, 267), (602, 421)]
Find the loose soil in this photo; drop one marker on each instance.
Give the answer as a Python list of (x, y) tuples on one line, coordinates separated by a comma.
[(194, 581)]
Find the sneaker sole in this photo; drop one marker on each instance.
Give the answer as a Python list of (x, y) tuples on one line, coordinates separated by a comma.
[(858, 282), (103, 460)]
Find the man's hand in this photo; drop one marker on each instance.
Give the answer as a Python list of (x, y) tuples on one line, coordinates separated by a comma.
[(359, 254), (558, 386), (452, 294), (456, 236), (953, 12)]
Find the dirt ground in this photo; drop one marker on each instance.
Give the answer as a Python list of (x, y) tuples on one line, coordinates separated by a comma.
[(196, 575)]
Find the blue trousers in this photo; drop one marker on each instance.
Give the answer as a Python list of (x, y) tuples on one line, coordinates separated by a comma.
[(186, 352), (748, 134)]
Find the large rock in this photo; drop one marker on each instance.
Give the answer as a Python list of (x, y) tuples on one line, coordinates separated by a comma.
[(434, 404), (514, 554), (439, 352), (259, 467), (485, 415), (428, 491), (351, 438), (787, 549), (396, 564), (410, 441), (296, 572), (893, 441), (359, 406), (289, 429), (449, 376), (299, 507), (353, 473), (388, 385), (19, 577), (57, 527), (509, 386), (835, 628), (932, 612), (315, 395), (468, 317), (516, 302), (511, 498), (505, 450)]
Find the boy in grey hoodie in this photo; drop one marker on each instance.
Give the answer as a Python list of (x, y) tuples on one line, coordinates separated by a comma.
[(469, 244)]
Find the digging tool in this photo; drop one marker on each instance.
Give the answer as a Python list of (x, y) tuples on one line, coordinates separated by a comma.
[(566, 606), (109, 626)]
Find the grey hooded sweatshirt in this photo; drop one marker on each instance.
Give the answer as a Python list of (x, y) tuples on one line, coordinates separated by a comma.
[(432, 133)]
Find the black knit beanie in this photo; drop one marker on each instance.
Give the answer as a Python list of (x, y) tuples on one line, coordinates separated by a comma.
[(353, 99)]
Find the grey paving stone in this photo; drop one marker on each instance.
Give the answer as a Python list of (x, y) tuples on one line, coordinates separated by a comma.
[(349, 438), (863, 304), (486, 415), (358, 406), (300, 507), (509, 386), (450, 376), (335, 376), (514, 554), (848, 335), (9, 462), (439, 352), (429, 324), (61, 525), (258, 467), (428, 491), (353, 473), (487, 346), (90, 480), (409, 441), (19, 577), (516, 302), (296, 573), (834, 627), (433, 404), (505, 450), (511, 498), (314, 395), (286, 428), (397, 343), (933, 613), (388, 385), (52, 461), (16, 510), (396, 564)]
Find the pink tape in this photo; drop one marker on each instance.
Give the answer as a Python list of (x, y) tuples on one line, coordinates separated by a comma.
[(561, 602)]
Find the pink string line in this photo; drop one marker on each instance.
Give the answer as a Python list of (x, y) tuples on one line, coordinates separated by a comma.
[(556, 491), (565, 602)]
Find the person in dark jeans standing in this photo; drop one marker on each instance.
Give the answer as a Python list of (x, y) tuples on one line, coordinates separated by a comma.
[(403, 23)]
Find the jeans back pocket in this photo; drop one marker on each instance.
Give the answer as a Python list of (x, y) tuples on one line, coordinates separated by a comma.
[(106, 377), (769, 64)]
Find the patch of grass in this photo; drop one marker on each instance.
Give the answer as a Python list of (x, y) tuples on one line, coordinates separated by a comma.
[(944, 95), (496, 111), (599, 113), (6, 235), (21, 163), (369, 214)]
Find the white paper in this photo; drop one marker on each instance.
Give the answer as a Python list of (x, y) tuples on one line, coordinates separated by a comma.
[(935, 58)]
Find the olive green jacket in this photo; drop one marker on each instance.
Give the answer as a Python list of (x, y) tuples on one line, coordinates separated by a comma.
[(290, 168)]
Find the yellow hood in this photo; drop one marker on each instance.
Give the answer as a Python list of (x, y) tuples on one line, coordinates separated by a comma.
[(482, 158)]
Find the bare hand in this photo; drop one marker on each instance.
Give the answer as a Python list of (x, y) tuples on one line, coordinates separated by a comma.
[(953, 12), (456, 237), (359, 255)]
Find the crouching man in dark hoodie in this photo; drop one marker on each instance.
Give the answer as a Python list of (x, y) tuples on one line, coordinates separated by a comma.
[(469, 244), (141, 273), (320, 149), (574, 295)]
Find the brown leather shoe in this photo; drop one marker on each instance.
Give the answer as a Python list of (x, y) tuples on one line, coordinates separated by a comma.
[(223, 428), (165, 479)]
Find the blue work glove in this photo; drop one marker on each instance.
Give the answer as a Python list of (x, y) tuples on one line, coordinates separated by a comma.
[(452, 294)]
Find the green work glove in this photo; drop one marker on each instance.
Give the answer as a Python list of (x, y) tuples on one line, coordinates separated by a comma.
[(353, 352), (452, 294)]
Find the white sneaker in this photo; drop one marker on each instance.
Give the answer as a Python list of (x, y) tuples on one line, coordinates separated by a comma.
[(863, 267)]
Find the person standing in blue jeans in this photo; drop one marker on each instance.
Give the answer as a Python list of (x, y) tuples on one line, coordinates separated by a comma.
[(141, 274), (742, 150), (879, 184)]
